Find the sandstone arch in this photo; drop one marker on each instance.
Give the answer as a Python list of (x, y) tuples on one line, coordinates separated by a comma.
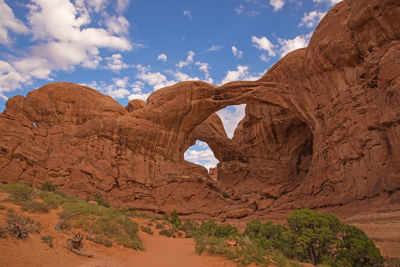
[(343, 87)]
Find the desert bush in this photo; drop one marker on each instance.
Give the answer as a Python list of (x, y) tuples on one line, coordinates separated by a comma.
[(167, 232), (34, 207), (173, 219), (53, 200), (18, 192), (2, 207), (102, 240), (225, 195), (320, 238), (160, 226), (98, 197), (48, 239), (20, 227), (146, 230), (310, 237), (48, 186)]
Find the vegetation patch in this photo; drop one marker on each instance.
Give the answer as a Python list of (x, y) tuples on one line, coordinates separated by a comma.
[(310, 237), (102, 240), (34, 207), (173, 219), (168, 232), (18, 192), (146, 230), (20, 226)]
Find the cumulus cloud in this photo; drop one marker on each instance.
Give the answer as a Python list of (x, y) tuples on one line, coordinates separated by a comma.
[(181, 77), (204, 67), (117, 88), (201, 154), (155, 79), (188, 14), (8, 22), (263, 44), (162, 57), (63, 37), (231, 116), (241, 73), (289, 45), (330, 2), (214, 48), (115, 63), (236, 52), (277, 4), (188, 61), (312, 18)]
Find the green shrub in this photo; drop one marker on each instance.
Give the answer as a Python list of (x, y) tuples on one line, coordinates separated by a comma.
[(48, 239), (18, 192), (146, 230), (173, 219), (167, 232), (310, 236), (53, 200), (102, 240), (48, 186), (225, 195), (323, 238), (160, 226), (98, 197), (34, 207)]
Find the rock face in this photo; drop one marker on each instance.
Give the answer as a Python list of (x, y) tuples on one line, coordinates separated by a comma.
[(321, 130)]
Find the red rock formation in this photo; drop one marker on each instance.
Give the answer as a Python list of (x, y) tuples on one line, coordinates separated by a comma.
[(321, 129)]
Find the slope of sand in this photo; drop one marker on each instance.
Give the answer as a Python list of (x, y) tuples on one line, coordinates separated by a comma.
[(160, 251)]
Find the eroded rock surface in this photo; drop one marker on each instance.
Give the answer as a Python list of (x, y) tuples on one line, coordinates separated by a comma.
[(321, 130)]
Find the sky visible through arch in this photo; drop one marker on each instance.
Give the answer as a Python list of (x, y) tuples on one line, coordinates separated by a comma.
[(130, 48)]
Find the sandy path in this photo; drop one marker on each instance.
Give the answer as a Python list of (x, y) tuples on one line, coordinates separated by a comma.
[(171, 252)]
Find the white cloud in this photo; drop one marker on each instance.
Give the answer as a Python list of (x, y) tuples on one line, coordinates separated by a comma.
[(311, 19), (162, 57), (201, 154), (263, 44), (239, 10), (181, 77), (97, 5), (117, 24), (215, 48), (10, 79), (330, 2), (155, 79), (231, 116), (187, 13), (289, 45), (242, 74), (9, 23), (264, 57), (64, 37), (115, 63), (140, 96), (204, 67), (277, 4), (236, 52), (188, 61)]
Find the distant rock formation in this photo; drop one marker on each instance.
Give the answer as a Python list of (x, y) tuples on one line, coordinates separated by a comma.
[(321, 130)]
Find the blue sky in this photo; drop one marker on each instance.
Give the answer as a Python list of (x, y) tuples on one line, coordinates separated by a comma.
[(130, 48)]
